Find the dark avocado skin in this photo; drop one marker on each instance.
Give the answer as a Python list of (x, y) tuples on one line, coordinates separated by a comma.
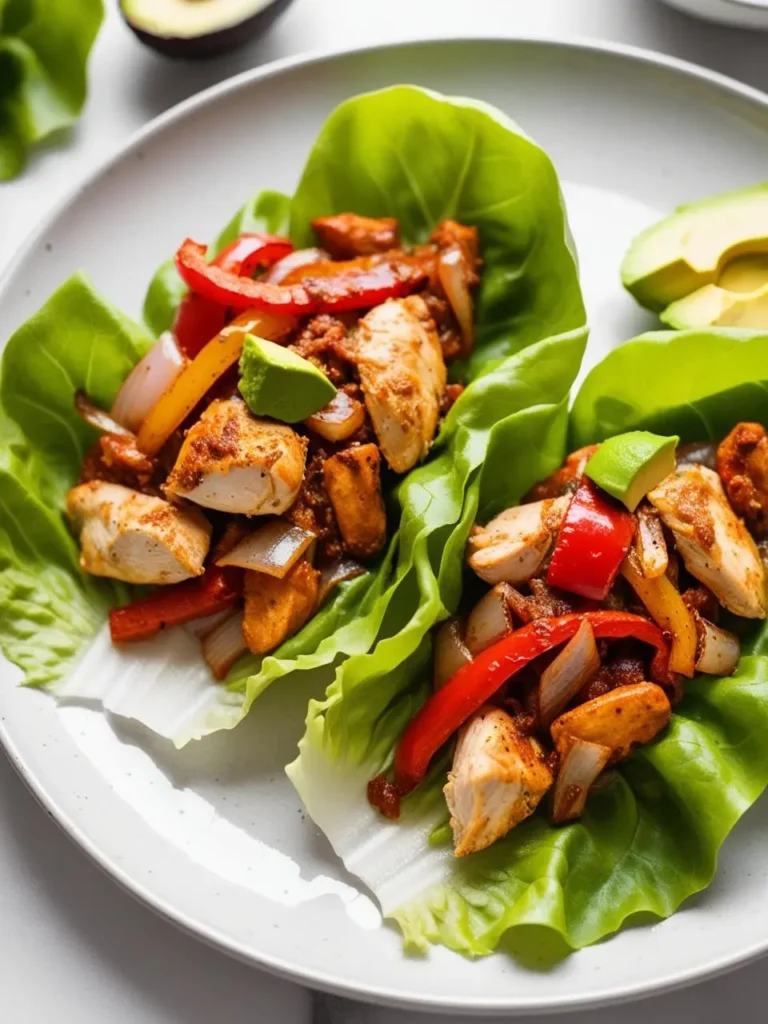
[(216, 43)]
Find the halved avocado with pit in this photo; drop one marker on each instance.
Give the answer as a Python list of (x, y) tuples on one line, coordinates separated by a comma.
[(706, 264), (199, 28)]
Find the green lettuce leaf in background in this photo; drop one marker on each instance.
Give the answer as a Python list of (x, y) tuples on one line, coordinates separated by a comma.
[(652, 831), (44, 50)]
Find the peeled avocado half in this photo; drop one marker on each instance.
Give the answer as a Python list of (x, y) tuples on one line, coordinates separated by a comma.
[(707, 264), (199, 28)]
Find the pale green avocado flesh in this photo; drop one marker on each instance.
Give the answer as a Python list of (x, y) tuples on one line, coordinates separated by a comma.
[(707, 263), (276, 382), (182, 19), (627, 466)]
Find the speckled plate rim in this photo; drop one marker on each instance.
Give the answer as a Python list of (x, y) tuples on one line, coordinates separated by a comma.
[(282, 967)]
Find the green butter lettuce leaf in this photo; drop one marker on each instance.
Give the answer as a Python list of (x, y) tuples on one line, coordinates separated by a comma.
[(703, 376), (44, 50), (423, 158), (267, 211), (652, 830), (49, 609), (479, 168)]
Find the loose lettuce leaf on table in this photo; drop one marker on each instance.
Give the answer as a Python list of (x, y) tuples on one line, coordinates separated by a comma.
[(651, 834), (44, 49)]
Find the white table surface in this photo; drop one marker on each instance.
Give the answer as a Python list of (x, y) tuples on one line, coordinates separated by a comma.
[(74, 949)]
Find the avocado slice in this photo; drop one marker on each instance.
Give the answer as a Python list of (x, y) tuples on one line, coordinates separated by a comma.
[(276, 382), (199, 28), (718, 243), (629, 465)]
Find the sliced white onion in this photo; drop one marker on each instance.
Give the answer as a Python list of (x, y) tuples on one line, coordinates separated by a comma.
[(450, 653), (278, 273), (147, 381), (574, 666), (338, 420), (717, 651), (338, 572), (651, 546), (273, 549), (97, 418), (224, 644), (489, 620), (578, 770), (451, 271)]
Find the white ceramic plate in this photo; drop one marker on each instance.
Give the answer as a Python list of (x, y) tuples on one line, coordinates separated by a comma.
[(213, 836), (744, 13)]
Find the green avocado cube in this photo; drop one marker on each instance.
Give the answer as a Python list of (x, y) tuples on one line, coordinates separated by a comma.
[(276, 382), (629, 465)]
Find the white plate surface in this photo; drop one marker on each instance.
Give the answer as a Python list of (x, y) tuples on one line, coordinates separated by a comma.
[(214, 836)]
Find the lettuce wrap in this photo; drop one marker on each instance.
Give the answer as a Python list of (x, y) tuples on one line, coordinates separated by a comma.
[(652, 829), (427, 158)]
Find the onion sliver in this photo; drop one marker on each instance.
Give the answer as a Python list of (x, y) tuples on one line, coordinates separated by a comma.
[(451, 270), (97, 418), (579, 768), (291, 262), (273, 549), (651, 546), (338, 420), (574, 666), (338, 572), (489, 620), (450, 653), (718, 650), (224, 644), (147, 381)]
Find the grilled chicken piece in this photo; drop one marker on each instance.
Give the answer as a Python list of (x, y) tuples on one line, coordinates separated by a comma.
[(275, 609), (512, 547), (619, 720), (712, 541), (135, 537), (353, 483), (402, 375), (234, 462), (346, 235), (742, 462), (497, 779)]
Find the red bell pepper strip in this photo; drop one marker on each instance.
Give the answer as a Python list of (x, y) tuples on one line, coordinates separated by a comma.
[(592, 543), (252, 250), (476, 682), (199, 319), (350, 289), (215, 591)]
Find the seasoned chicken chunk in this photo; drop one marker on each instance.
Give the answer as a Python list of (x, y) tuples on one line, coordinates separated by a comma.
[(353, 483), (713, 542), (742, 462), (618, 720), (512, 547), (497, 779), (234, 462), (347, 235), (135, 537), (277, 608), (402, 375)]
